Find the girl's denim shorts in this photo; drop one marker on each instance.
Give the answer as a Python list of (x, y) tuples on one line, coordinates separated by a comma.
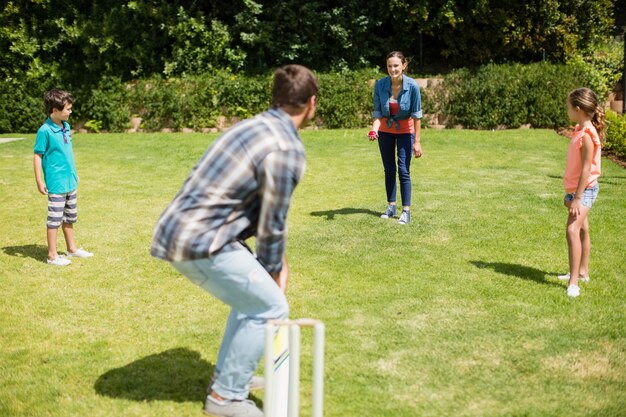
[(589, 196)]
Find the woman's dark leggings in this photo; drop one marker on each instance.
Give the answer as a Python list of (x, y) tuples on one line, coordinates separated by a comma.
[(387, 143)]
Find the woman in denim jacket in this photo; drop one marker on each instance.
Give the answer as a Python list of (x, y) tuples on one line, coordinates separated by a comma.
[(397, 115)]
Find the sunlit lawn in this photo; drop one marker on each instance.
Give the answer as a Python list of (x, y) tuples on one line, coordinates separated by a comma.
[(458, 314)]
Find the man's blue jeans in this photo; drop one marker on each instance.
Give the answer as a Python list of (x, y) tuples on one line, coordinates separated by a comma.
[(387, 143), (239, 280)]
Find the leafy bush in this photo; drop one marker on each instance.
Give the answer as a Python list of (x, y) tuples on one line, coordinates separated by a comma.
[(21, 107), (431, 99), (200, 46), (106, 106), (198, 101), (615, 141), (488, 97), (604, 65), (241, 96), (346, 99), (94, 125), (157, 102), (511, 95)]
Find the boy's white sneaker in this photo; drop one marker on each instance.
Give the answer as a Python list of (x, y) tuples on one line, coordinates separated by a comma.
[(80, 253), (59, 261), (573, 291), (565, 277)]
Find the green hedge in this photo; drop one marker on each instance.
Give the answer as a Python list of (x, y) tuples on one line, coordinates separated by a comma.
[(512, 95), (21, 110), (615, 142), (489, 97), (345, 100), (201, 101), (107, 105)]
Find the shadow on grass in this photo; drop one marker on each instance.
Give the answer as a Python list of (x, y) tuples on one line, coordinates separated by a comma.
[(612, 179), (178, 375), (330, 214), (38, 252), (604, 179), (519, 271)]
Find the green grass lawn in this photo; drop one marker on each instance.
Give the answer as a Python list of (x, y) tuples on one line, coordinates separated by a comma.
[(458, 314)]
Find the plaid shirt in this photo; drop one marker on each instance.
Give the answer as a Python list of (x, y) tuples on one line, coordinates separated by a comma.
[(241, 187)]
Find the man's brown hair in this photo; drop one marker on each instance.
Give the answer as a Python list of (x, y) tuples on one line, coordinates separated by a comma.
[(293, 86)]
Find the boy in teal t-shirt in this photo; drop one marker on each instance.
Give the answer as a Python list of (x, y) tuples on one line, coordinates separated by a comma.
[(53, 154)]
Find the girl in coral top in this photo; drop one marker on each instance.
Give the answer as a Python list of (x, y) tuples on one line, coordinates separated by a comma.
[(581, 181), (397, 115)]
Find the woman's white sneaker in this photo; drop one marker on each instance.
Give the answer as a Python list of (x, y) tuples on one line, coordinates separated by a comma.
[(389, 213)]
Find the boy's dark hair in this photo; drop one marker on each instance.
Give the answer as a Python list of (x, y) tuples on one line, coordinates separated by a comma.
[(56, 99), (293, 86)]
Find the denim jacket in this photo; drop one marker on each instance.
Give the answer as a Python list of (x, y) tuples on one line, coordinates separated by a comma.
[(409, 99)]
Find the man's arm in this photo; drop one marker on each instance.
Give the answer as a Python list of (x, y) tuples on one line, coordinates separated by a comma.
[(278, 175), (282, 277)]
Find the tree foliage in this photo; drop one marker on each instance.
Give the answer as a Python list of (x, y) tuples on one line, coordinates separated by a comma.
[(81, 45), (82, 40), (483, 31)]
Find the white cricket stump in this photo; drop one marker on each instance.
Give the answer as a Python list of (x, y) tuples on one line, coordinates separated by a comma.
[(282, 367)]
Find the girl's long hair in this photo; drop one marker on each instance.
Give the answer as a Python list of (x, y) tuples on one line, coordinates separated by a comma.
[(587, 101)]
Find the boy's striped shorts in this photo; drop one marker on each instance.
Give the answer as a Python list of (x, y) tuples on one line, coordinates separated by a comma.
[(61, 209)]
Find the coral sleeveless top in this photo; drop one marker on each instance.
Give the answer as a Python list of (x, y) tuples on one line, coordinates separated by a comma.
[(574, 165)]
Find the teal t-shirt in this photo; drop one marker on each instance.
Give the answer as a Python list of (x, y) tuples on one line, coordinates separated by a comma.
[(54, 144)]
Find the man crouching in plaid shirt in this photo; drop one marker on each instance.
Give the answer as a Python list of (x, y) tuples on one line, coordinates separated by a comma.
[(242, 187)]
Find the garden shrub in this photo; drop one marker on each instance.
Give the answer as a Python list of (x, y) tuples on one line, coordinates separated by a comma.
[(430, 100), (489, 97), (615, 142), (346, 99), (241, 96), (198, 101), (510, 95), (157, 102), (106, 106), (486, 98), (604, 65), (21, 107)]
